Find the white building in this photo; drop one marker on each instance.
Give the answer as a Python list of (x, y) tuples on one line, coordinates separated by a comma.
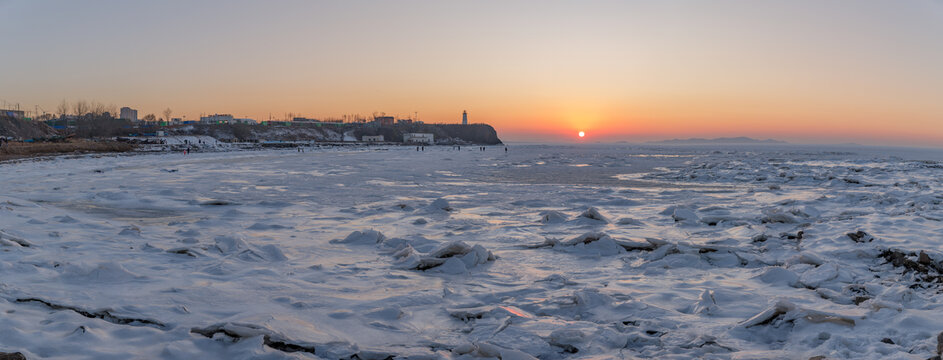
[(464, 117), (128, 114), (418, 138), (378, 138)]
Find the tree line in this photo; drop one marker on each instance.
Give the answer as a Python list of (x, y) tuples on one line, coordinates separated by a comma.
[(83, 108)]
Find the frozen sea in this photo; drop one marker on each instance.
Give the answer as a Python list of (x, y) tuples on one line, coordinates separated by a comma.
[(546, 251)]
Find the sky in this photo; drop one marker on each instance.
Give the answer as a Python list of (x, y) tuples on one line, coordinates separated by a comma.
[(803, 71)]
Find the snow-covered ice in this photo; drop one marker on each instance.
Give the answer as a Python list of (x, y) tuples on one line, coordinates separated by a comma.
[(549, 252)]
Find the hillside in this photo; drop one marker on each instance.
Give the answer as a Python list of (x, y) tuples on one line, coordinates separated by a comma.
[(445, 134), (24, 129)]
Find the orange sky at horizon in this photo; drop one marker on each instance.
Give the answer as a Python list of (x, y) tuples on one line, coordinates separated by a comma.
[(801, 71)]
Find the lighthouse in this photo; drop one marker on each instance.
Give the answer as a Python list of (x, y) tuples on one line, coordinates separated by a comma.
[(464, 117)]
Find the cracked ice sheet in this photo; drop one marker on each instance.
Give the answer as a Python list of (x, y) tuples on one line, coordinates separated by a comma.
[(244, 238)]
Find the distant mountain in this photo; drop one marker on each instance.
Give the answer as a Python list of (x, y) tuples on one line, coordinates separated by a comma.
[(726, 140)]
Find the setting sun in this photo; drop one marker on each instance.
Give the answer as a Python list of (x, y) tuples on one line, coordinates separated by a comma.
[(582, 134)]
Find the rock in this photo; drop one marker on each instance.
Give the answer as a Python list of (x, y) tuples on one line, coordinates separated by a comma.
[(939, 344), (12, 356), (887, 341), (215, 203), (860, 237), (900, 259)]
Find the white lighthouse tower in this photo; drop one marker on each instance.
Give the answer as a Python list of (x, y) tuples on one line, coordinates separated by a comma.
[(464, 117)]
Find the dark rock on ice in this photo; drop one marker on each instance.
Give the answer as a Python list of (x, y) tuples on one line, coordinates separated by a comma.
[(12, 356), (184, 251), (102, 314), (924, 259), (215, 203), (939, 344), (239, 331), (901, 259), (797, 236), (860, 237)]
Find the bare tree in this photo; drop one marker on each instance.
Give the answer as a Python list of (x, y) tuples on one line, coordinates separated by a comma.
[(63, 108), (96, 108), (149, 118), (80, 108), (167, 113)]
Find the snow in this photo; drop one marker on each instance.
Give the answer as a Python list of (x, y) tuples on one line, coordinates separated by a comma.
[(548, 252)]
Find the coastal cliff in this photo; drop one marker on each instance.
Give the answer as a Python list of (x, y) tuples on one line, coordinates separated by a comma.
[(445, 134)]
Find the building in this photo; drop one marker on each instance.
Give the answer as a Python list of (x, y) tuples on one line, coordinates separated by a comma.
[(16, 114), (464, 117), (216, 119), (128, 114), (404, 121), (378, 138), (383, 120), (244, 121), (418, 138)]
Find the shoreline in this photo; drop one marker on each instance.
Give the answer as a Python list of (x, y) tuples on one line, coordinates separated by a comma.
[(142, 149), (12, 151)]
